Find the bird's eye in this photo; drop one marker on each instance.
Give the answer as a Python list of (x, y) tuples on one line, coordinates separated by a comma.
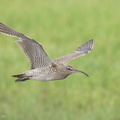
[(69, 69)]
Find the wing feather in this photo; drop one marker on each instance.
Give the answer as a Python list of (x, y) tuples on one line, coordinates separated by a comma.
[(32, 49), (80, 51)]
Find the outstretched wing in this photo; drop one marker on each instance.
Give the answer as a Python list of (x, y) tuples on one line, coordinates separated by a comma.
[(80, 51), (32, 49)]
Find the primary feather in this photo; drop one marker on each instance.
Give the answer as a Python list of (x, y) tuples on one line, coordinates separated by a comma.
[(32, 49), (80, 51)]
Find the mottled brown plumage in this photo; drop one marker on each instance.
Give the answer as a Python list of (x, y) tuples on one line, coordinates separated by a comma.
[(42, 67)]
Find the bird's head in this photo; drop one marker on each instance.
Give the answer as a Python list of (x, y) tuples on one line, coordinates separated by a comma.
[(71, 70)]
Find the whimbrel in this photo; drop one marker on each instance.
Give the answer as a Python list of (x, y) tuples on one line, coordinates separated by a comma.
[(42, 67)]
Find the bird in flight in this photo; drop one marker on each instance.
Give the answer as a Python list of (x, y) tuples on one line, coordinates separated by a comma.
[(42, 67)]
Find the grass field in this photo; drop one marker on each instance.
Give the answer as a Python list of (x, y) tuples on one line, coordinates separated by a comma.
[(61, 26)]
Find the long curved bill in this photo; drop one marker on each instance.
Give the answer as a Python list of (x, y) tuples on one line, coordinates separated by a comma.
[(82, 72)]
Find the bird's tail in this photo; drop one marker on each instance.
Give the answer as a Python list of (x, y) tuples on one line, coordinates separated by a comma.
[(21, 77)]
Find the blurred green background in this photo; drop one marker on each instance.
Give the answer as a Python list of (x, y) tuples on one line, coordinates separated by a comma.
[(61, 26)]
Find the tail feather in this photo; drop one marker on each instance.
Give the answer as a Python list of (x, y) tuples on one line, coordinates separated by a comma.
[(21, 77)]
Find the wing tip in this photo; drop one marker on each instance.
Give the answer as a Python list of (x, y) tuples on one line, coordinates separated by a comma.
[(92, 43), (86, 47)]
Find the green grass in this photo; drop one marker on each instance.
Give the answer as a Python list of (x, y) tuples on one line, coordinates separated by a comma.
[(61, 26)]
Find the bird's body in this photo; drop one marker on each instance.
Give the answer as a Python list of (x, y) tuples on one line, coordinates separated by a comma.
[(49, 73), (42, 67), (46, 74)]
